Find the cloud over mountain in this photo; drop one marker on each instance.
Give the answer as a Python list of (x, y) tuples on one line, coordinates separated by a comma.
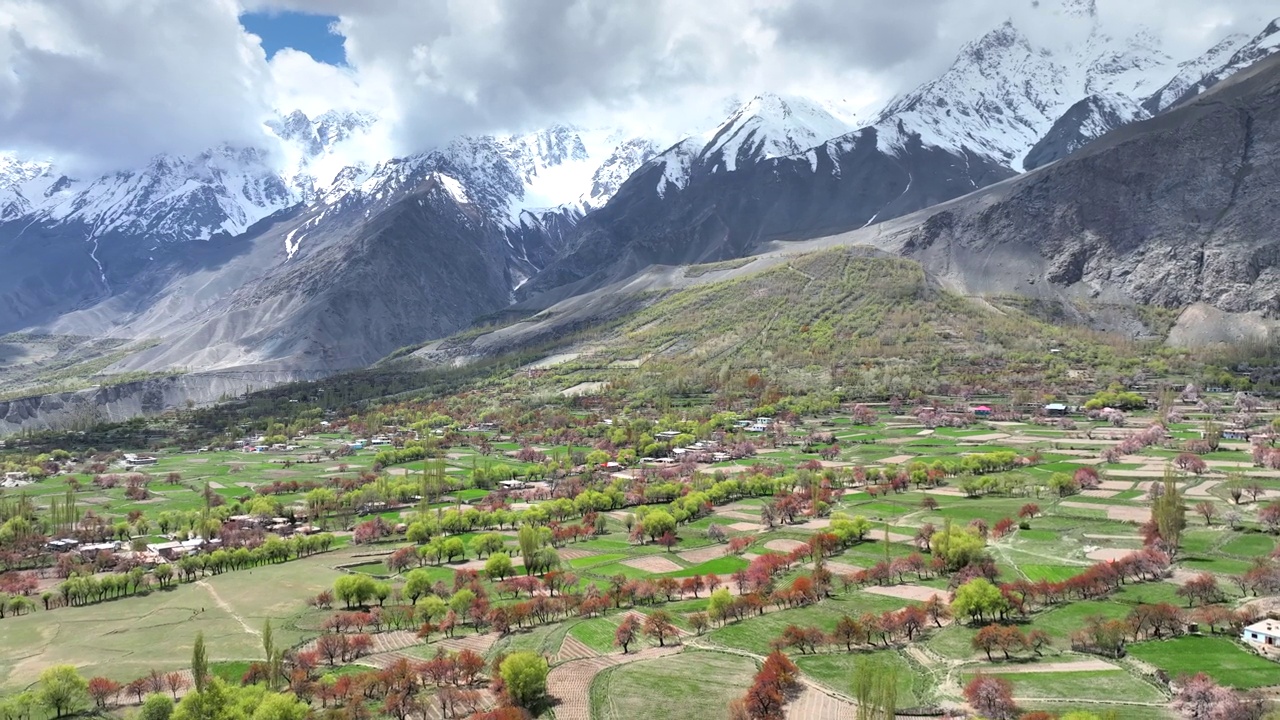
[(106, 85)]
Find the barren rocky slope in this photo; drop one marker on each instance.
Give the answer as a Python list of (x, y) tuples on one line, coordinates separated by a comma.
[(1173, 211)]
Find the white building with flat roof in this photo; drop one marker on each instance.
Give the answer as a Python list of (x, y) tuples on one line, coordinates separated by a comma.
[(1264, 632)]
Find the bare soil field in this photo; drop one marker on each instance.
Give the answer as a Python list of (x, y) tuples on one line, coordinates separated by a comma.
[(652, 564), (702, 555), (920, 593)]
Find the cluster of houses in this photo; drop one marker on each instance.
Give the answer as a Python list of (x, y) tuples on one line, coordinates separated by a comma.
[(279, 525), (698, 448), (257, 445), (1053, 409), (155, 552)]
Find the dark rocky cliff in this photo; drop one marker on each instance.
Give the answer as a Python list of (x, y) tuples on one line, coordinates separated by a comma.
[(1176, 210)]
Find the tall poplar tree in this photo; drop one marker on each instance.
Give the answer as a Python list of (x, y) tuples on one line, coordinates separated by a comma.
[(1169, 513), (199, 663)]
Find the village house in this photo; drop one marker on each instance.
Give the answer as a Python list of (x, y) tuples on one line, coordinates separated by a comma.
[(62, 545), (667, 435), (91, 551), (1264, 632), (1055, 409), (132, 460), (1236, 433)]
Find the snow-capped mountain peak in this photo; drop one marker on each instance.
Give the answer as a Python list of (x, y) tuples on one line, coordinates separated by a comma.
[(769, 126), (1004, 91)]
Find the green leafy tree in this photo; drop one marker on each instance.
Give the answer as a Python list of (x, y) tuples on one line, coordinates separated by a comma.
[(454, 547), (980, 600), (719, 603), (488, 544), (525, 676), (432, 607), (958, 546), (659, 523), (850, 530), (529, 542), (498, 566), (62, 691), (461, 601), (157, 706), (274, 656), (416, 584), (280, 706), (212, 702)]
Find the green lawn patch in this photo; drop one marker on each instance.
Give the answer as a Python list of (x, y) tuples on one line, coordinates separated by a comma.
[(1088, 685), (1220, 658), (596, 559), (231, 671), (754, 634), (693, 684), (596, 633), (1127, 712), (722, 566), (1249, 546), (1052, 573), (835, 670), (378, 568)]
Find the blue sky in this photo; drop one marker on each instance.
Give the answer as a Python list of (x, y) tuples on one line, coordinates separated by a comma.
[(300, 31)]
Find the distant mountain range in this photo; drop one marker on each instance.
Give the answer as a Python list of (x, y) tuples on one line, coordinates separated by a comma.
[(305, 257)]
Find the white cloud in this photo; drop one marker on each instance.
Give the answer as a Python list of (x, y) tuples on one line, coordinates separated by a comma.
[(113, 81), (106, 83)]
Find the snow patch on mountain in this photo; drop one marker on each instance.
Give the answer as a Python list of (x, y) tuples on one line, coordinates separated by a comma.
[(1082, 123), (625, 159), (1192, 71), (453, 188), (677, 165), (1260, 46)]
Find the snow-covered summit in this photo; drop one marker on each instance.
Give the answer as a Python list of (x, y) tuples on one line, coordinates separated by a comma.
[(769, 126), (1004, 91), (764, 127)]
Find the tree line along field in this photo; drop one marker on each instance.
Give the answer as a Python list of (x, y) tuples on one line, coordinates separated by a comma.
[(884, 480)]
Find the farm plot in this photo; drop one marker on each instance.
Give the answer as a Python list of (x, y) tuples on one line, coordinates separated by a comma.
[(694, 684)]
